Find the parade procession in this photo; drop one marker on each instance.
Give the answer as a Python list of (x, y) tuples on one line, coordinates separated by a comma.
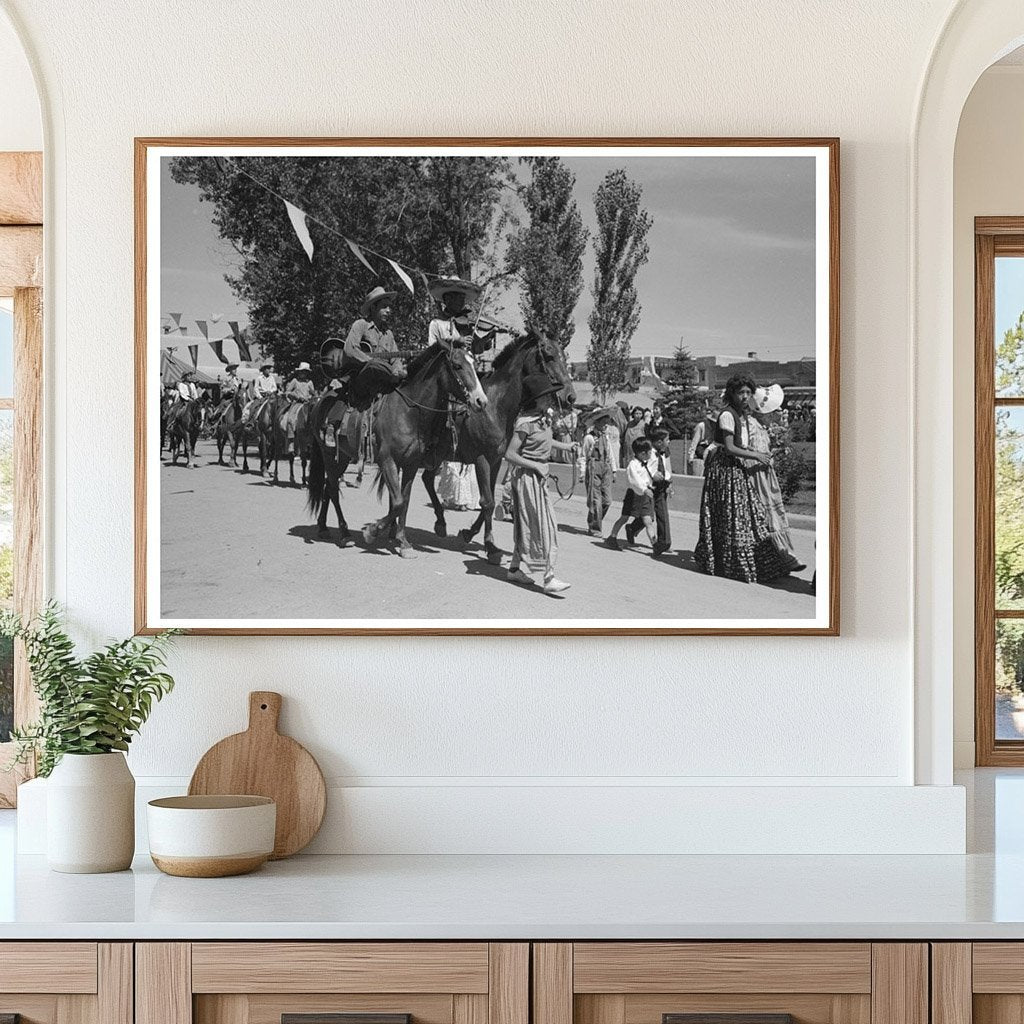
[(397, 442)]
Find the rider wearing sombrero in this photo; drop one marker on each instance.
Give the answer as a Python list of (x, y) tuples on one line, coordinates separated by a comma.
[(370, 358), (456, 322)]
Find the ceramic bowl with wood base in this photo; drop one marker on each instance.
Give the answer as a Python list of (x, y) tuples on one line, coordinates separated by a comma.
[(211, 836)]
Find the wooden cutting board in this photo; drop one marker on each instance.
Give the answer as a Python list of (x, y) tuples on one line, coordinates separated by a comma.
[(262, 762)]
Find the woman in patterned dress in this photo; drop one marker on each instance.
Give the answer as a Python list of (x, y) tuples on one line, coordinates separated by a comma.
[(735, 535)]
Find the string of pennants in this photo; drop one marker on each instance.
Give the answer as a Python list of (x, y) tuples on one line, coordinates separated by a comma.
[(300, 223), (299, 220), (172, 340)]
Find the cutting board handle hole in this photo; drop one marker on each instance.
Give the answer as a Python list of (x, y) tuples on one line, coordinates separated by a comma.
[(263, 707)]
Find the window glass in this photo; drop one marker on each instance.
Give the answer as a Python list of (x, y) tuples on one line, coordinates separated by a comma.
[(1009, 511), (1009, 327), (1009, 679)]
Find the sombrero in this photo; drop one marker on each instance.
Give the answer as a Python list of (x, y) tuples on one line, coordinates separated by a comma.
[(378, 294), (768, 399), (442, 286)]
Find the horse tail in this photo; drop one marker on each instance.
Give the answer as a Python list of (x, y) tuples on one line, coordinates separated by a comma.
[(316, 475), (379, 482)]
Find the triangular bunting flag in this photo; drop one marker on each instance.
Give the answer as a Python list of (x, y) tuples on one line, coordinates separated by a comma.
[(193, 351), (243, 349), (298, 219), (406, 279), (358, 253), (204, 330), (176, 317), (218, 350)]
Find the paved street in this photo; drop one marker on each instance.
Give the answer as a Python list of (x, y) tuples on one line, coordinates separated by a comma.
[(235, 546)]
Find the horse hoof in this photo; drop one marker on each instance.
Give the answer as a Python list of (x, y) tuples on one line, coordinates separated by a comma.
[(465, 536), (494, 555), (406, 553), (345, 539), (440, 528), (369, 535)]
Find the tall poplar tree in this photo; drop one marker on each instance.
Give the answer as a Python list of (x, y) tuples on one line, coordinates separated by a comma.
[(621, 249)]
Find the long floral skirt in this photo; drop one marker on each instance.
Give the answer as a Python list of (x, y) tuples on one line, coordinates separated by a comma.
[(735, 535), (768, 490), (535, 531)]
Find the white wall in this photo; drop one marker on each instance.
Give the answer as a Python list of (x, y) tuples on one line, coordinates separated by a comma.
[(988, 181), (432, 715), (21, 127)]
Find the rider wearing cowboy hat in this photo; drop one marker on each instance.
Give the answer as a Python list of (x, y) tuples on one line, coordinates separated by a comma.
[(300, 387), (371, 360)]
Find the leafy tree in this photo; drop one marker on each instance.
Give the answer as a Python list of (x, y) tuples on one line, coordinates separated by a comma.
[(421, 211), (1010, 361), (621, 249), (1009, 512), (548, 253)]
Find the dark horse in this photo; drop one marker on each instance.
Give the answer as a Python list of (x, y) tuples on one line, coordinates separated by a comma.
[(407, 427), (229, 430), (184, 421), (281, 426), (484, 435)]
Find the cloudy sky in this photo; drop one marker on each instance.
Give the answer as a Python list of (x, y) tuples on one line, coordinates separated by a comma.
[(731, 266)]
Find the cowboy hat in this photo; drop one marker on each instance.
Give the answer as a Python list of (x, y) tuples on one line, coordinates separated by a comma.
[(266, 366), (231, 366), (445, 285), (374, 296), (768, 399), (303, 366)]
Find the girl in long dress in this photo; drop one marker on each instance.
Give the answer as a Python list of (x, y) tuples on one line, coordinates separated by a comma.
[(533, 519), (457, 488), (735, 535)]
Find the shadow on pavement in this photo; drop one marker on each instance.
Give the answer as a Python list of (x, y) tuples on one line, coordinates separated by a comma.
[(481, 567)]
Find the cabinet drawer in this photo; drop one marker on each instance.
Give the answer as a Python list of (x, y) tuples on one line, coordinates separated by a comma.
[(730, 983), (636, 967), (332, 983), (66, 982)]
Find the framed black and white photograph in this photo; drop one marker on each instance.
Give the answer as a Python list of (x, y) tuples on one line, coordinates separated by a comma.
[(497, 386)]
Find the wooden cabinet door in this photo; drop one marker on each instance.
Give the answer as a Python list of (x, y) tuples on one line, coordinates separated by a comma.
[(66, 982), (730, 983), (332, 983), (978, 983)]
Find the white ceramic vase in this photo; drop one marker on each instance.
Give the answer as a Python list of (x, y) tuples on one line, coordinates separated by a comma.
[(90, 814)]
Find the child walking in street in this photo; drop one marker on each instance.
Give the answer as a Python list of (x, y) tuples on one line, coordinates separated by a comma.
[(639, 500), (662, 489), (533, 519)]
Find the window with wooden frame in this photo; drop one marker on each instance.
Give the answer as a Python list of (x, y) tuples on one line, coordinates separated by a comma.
[(21, 365), (999, 490)]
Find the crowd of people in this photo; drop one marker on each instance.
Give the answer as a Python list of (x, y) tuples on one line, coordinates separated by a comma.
[(744, 532)]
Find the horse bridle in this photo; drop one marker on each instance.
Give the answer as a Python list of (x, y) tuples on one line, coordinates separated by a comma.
[(545, 361), (449, 351)]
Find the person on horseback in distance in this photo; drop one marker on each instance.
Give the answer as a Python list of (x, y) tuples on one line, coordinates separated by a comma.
[(300, 387), (186, 389)]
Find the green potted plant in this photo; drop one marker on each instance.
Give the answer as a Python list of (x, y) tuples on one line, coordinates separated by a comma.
[(89, 710)]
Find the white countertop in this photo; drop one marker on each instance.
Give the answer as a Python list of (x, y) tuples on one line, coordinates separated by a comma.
[(517, 897), (978, 896)]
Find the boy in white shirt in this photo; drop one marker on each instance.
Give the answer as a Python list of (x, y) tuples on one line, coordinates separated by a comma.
[(639, 500)]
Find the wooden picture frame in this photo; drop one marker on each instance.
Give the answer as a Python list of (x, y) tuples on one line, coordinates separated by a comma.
[(825, 618), (994, 237)]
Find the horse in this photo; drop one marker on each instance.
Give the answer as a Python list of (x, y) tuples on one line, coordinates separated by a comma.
[(415, 412), (229, 429), (184, 420), (293, 436), (483, 436), (409, 428)]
